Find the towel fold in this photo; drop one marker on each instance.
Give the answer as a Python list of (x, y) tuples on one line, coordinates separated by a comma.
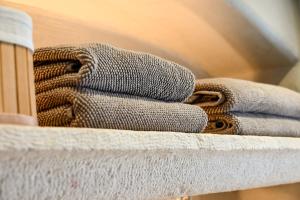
[(248, 108), (110, 69), (252, 124), (95, 109)]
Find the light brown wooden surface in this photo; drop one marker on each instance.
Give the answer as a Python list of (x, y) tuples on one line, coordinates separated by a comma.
[(23, 89), (30, 76), (209, 37), (17, 92), (1, 86), (282, 192), (218, 196), (9, 87)]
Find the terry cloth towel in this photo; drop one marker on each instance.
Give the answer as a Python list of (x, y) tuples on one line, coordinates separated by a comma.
[(95, 109), (110, 69), (248, 108)]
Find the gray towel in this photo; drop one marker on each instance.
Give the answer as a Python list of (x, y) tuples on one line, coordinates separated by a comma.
[(100, 86), (95, 109), (248, 108), (109, 69)]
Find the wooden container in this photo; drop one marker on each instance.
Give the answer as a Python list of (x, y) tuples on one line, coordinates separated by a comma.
[(17, 94)]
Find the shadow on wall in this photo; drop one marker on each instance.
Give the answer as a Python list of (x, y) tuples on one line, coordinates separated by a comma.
[(276, 61)]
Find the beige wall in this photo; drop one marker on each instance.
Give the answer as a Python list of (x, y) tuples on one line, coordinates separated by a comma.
[(203, 35), (280, 19)]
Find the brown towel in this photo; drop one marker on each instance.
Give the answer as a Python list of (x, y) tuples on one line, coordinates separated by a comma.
[(110, 69), (244, 107), (95, 109)]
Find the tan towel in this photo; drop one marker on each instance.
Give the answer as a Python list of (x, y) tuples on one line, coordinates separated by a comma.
[(244, 107), (110, 69), (90, 108)]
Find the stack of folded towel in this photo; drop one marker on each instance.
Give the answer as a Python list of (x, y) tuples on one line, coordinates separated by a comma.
[(248, 108), (100, 86)]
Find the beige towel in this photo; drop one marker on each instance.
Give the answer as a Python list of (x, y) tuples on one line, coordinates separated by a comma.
[(110, 69), (90, 108), (244, 107)]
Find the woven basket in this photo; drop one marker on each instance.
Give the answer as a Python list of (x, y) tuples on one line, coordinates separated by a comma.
[(17, 94)]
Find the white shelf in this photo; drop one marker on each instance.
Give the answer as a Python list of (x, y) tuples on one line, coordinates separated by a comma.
[(68, 163)]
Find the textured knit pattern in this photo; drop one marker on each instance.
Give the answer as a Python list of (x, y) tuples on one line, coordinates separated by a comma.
[(100, 86), (109, 69), (90, 108), (244, 107)]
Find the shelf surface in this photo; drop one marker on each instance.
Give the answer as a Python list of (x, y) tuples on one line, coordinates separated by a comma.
[(69, 163)]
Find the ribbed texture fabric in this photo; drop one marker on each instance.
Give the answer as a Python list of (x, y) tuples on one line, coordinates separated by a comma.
[(70, 107), (110, 69), (101, 86), (248, 108)]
